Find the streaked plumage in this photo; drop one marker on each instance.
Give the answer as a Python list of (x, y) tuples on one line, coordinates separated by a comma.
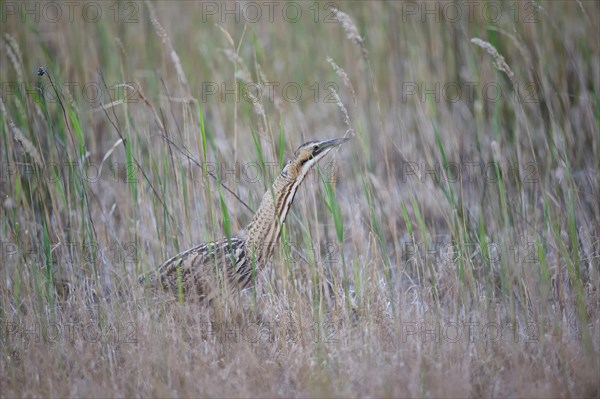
[(201, 270)]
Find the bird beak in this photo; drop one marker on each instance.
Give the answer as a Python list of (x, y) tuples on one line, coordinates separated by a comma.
[(332, 143)]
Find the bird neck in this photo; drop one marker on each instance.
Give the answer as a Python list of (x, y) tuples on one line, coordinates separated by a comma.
[(264, 229)]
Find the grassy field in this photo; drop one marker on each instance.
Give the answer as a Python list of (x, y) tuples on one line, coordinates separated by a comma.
[(450, 249)]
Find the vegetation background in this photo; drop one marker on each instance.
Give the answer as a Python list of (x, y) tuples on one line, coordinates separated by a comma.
[(451, 249)]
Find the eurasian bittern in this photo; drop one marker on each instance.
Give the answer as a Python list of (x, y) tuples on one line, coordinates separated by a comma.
[(240, 257)]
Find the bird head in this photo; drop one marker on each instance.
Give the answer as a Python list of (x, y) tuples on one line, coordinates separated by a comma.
[(309, 154)]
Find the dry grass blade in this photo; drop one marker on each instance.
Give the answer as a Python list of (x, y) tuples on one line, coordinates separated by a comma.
[(348, 26), (499, 61), (14, 54), (243, 74), (27, 145), (342, 108), (344, 76), (350, 29), (172, 54)]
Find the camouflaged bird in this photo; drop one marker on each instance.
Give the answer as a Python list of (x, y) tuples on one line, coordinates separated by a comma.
[(234, 261)]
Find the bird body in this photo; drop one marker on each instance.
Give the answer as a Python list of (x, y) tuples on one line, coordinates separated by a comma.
[(235, 260)]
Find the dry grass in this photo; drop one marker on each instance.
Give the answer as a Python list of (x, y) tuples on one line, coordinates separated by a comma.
[(483, 281)]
